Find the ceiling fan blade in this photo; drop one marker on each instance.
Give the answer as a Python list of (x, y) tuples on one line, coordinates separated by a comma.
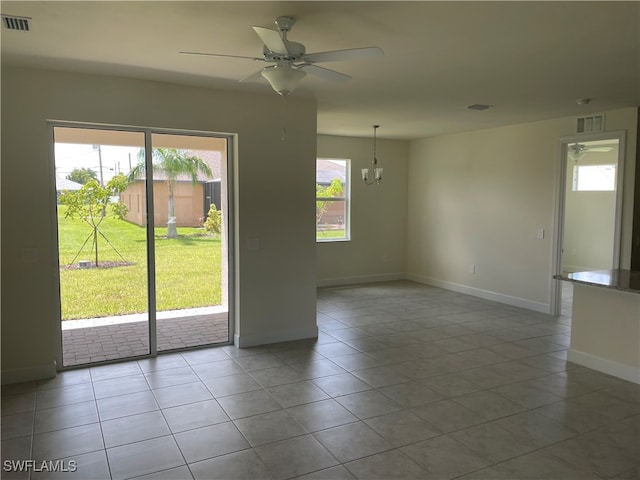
[(221, 55), (366, 53), (272, 39), (325, 73), (253, 77)]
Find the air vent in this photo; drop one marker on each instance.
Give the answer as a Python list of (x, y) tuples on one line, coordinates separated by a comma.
[(590, 123), (11, 22), (479, 107)]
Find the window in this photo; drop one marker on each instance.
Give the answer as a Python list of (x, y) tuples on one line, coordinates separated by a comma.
[(332, 199), (594, 178)]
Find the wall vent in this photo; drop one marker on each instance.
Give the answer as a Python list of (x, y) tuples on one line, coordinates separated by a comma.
[(11, 22), (590, 123)]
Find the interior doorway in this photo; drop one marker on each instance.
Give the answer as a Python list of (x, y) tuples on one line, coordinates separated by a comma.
[(589, 216), (143, 228)]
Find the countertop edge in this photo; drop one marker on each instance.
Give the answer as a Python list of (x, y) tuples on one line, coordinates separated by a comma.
[(618, 279)]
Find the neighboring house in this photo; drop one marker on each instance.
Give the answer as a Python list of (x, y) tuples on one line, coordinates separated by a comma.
[(191, 200), (64, 184)]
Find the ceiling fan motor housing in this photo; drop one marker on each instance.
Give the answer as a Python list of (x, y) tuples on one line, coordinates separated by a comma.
[(295, 52), (285, 23)]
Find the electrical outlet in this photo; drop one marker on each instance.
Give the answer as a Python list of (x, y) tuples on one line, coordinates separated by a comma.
[(472, 268)]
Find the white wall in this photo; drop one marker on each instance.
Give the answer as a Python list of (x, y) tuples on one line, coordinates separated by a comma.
[(276, 285), (480, 197), (378, 214), (609, 346)]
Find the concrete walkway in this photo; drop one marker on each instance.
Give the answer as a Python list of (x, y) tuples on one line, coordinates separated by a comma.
[(111, 338)]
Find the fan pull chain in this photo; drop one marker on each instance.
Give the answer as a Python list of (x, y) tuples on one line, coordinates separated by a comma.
[(284, 118)]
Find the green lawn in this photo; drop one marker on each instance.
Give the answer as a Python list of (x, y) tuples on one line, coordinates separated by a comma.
[(320, 234), (187, 269)]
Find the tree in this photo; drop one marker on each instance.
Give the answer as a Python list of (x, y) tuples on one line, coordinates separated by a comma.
[(171, 163), (90, 204), (323, 194), (213, 223), (82, 175)]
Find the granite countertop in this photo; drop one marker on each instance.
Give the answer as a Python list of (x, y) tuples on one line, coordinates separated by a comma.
[(624, 280)]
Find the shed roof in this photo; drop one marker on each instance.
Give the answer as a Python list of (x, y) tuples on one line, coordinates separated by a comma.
[(66, 184)]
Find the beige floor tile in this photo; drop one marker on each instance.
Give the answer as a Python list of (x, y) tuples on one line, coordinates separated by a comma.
[(145, 457), (391, 465), (233, 466), (352, 441), (269, 427), (295, 456), (208, 442)]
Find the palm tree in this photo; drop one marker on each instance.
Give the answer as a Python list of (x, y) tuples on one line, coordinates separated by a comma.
[(171, 163)]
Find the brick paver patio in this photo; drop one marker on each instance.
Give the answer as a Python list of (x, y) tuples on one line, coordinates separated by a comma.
[(112, 338)]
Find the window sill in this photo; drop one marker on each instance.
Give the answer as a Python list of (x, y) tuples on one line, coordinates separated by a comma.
[(332, 240)]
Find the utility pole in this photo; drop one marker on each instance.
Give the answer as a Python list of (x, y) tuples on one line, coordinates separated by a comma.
[(104, 208), (97, 147), (100, 163)]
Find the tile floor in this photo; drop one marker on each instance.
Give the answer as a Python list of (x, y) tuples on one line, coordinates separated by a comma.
[(404, 382)]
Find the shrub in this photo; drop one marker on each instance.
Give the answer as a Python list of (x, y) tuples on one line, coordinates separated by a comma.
[(213, 223)]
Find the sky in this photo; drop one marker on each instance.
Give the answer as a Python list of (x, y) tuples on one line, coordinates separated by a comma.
[(115, 159)]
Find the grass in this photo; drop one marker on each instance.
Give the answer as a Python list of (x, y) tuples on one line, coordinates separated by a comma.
[(188, 272), (330, 234)]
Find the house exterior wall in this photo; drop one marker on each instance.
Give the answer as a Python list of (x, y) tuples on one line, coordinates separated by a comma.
[(334, 215), (134, 198), (188, 201)]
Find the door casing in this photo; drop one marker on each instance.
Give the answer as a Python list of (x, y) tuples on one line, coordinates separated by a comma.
[(560, 193)]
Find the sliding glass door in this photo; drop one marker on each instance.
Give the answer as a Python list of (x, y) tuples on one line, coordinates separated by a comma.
[(142, 220), (190, 217)]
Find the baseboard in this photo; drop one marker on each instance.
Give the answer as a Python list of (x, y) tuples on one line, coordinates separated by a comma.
[(620, 370), (485, 294), (383, 277), (28, 374), (243, 341)]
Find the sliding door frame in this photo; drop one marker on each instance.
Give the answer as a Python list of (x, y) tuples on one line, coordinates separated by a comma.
[(150, 226)]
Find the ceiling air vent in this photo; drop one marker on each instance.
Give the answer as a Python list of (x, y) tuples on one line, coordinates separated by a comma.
[(479, 107), (590, 123), (11, 22)]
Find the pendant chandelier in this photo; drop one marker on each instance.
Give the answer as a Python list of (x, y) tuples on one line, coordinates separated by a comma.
[(374, 174)]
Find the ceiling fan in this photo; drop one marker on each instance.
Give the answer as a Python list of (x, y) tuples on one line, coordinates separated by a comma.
[(289, 62), (577, 150)]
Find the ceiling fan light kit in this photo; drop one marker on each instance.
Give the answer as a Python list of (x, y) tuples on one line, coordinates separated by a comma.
[(291, 60), (283, 80)]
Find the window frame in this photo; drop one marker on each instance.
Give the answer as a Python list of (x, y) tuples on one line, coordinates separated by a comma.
[(345, 197)]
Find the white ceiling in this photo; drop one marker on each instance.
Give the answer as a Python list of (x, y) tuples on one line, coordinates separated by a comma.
[(530, 60)]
